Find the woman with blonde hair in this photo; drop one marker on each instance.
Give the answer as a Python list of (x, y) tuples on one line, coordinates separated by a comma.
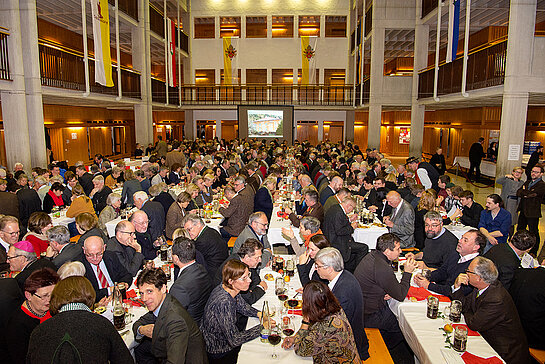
[(193, 191), (87, 225), (176, 214), (110, 212)]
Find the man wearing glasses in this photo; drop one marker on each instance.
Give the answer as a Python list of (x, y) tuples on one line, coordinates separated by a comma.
[(256, 229), (102, 268), (22, 258), (125, 246)]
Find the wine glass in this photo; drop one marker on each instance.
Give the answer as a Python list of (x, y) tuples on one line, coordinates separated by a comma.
[(274, 339), (288, 327)]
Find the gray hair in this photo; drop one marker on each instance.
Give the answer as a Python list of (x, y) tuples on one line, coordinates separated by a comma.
[(59, 234), (194, 219), (330, 257), (140, 195), (71, 269), (311, 223), (256, 215), (116, 169), (240, 179), (41, 180), (113, 197), (56, 179), (155, 190), (433, 216), (486, 269), (268, 180), (98, 178)]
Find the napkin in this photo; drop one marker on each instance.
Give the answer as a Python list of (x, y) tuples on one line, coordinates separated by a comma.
[(282, 214), (133, 303), (474, 359), (295, 312), (131, 294), (469, 331), (421, 294)]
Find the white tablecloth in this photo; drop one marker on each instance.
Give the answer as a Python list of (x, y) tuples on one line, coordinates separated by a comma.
[(487, 168), (62, 219)]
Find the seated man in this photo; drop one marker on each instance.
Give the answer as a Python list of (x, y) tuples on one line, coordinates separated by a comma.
[(439, 243), (102, 268), (192, 284), (308, 227), (125, 246), (338, 229), (401, 220), (336, 199), (141, 223), (507, 257), (155, 212), (330, 266), (470, 245), (471, 210), (207, 241), (99, 194), (314, 208), (379, 283), (250, 253), (22, 258), (334, 186), (489, 309), (236, 214), (167, 333), (256, 229), (60, 249)]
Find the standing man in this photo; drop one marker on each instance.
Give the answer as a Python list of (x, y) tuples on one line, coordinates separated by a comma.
[(401, 221), (438, 161), (161, 148), (531, 194), (534, 159), (425, 173), (476, 154)]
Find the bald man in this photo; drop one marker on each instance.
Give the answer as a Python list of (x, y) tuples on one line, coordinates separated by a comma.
[(401, 220), (125, 246), (102, 268)]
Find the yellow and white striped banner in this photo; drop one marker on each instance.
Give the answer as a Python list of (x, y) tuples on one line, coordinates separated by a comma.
[(230, 61), (308, 60), (101, 38)]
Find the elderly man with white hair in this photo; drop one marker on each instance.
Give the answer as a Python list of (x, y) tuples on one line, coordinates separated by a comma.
[(99, 194), (41, 186), (155, 212), (401, 220), (60, 249)]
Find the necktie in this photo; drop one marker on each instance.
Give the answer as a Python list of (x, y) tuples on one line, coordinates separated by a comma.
[(102, 278)]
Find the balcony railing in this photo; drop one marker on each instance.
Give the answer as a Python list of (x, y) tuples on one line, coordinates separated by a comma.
[(485, 68), (65, 69), (272, 94), (365, 98), (157, 25), (129, 7), (428, 6), (4, 56)]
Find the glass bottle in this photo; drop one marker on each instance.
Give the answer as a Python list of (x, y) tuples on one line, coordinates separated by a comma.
[(265, 322)]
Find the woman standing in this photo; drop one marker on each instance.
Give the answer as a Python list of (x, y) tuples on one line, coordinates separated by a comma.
[(495, 221), (325, 332)]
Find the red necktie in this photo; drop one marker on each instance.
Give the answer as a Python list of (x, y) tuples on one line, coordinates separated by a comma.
[(102, 278)]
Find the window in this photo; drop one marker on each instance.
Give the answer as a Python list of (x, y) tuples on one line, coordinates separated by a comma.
[(230, 26), (256, 27), (309, 25), (335, 26), (205, 28), (282, 26)]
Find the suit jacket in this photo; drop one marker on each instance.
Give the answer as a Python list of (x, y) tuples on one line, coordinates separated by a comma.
[(254, 181), (148, 250), (316, 211), (530, 199), (174, 219), (145, 184), (156, 216), (192, 289), (495, 316), (237, 214), (71, 252), (165, 199), (213, 248), (128, 257), (404, 224), (332, 200), (29, 202), (86, 181), (338, 230), (263, 202), (176, 337), (10, 299), (506, 260), (326, 193), (348, 292), (29, 269), (9, 204), (116, 270), (99, 199), (129, 188), (528, 292), (249, 196), (248, 233), (443, 277)]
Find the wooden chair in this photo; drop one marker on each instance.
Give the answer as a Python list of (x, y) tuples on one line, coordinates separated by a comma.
[(538, 355), (378, 352), (231, 242), (74, 239)]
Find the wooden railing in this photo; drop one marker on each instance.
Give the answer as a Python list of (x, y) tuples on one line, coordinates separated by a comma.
[(129, 7), (4, 56), (65, 69), (263, 94), (485, 68), (428, 6)]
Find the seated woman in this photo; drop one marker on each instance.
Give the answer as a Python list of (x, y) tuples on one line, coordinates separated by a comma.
[(80, 203), (495, 221), (306, 267), (110, 212), (176, 213), (325, 332), (87, 225), (308, 227), (34, 311), (193, 191), (221, 335), (130, 186), (38, 224), (263, 200), (74, 333), (53, 197), (111, 180), (175, 173), (70, 269)]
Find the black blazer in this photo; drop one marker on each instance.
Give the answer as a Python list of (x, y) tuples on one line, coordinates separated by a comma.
[(213, 248), (156, 215), (148, 250), (128, 257), (27, 271), (99, 199), (71, 252), (129, 188), (116, 270), (29, 202), (338, 230), (10, 299), (165, 199), (263, 202), (348, 291), (86, 181), (326, 193), (176, 337), (505, 260), (192, 289)]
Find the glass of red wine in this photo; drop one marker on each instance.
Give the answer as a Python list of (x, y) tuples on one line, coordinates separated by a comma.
[(288, 328), (274, 339)]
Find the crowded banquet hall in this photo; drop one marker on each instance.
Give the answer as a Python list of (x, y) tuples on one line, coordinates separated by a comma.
[(170, 191)]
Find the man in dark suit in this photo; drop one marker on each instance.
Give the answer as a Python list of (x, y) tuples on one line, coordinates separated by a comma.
[(476, 154), (338, 229), (330, 266), (22, 259), (102, 268), (314, 209), (336, 198), (224, 175), (99, 194), (167, 333), (528, 292), (85, 179), (29, 202), (62, 250), (401, 221), (126, 247), (155, 212), (236, 213), (489, 309), (334, 186), (143, 237), (9, 204), (530, 196), (373, 172), (507, 257), (471, 211), (208, 241)]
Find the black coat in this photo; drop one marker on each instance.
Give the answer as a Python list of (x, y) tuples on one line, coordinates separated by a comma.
[(506, 260), (165, 199), (156, 215), (192, 289), (71, 252), (99, 199), (86, 181), (18, 330), (148, 250), (128, 257), (438, 162), (476, 153), (213, 248), (29, 202), (338, 230), (116, 270)]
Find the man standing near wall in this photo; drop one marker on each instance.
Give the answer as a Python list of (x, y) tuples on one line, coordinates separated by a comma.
[(476, 154)]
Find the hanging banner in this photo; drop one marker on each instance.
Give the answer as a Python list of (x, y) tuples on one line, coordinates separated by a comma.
[(453, 30), (171, 59), (308, 60), (101, 39), (230, 61)]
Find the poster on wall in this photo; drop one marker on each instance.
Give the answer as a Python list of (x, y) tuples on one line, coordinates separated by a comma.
[(493, 136), (404, 135)]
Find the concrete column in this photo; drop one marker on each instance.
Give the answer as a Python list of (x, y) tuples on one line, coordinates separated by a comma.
[(190, 125), (376, 85), (269, 26), (143, 112), (349, 125), (373, 128), (218, 128), (14, 107), (520, 49), (320, 130), (421, 38)]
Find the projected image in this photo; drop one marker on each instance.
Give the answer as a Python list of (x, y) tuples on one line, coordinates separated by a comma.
[(265, 123)]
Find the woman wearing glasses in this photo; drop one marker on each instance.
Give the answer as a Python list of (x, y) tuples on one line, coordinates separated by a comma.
[(33, 311), (219, 325)]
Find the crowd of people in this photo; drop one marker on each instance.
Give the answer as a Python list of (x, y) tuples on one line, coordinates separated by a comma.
[(54, 276)]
